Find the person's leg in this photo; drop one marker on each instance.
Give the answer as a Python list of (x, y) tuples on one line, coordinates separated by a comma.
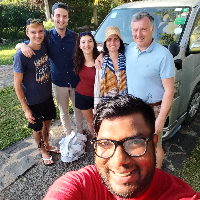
[(77, 113), (159, 152), (88, 114), (159, 149), (37, 136), (44, 132), (62, 99)]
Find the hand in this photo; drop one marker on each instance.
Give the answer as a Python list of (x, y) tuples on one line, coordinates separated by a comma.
[(94, 112), (29, 116), (27, 51), (159, 124), (99, 61)]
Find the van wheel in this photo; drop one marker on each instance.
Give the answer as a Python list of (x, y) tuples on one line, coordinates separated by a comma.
[(193, 106)]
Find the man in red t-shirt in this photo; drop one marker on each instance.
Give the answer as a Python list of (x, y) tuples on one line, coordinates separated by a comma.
[(125, 159)]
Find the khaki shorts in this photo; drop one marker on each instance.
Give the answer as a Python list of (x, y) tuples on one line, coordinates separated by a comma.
[(156, 110)]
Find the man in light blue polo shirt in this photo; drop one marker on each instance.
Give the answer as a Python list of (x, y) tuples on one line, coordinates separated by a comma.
[(150, 73)]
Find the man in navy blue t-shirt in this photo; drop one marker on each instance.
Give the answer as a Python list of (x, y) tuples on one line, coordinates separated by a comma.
[(32, 82), (60, 44)]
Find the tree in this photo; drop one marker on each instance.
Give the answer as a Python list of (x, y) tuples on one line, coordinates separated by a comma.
[(97, 2), (42, 4), (46, 8)]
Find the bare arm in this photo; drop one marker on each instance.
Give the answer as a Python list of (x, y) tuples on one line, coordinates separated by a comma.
[(26, 50), (97, 89), (18, 77), (167, 101), (99, 61)]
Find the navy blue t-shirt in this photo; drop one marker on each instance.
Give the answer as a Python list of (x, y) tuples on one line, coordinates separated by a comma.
[(36, 75), (60, 51)]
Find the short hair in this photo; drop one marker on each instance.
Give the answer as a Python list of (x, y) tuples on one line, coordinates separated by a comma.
[(122, 105), (59, 5), (140, 15), (33, 23)]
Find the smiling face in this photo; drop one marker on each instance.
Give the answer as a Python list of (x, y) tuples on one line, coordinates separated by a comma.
[(60, 18), (123, 175), (113, 43), (86, 44), (36, 34), (142, 33)]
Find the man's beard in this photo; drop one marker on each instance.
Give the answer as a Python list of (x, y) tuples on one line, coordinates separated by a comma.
[(124, 195), (135, 191)]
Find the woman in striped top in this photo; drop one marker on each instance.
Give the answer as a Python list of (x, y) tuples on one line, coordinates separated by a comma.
[(111, 79)]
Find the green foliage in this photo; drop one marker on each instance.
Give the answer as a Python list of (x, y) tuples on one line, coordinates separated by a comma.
[(14, 13), (166, 39), (14, 1), (191, 172), (6, 54), (48, 25), (81, 13), (13, 19), (104, 8), (12, 121)]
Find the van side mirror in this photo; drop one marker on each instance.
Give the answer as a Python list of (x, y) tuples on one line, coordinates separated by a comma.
[(174, 49)]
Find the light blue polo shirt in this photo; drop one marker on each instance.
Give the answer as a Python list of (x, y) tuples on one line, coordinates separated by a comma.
[(145, 71)]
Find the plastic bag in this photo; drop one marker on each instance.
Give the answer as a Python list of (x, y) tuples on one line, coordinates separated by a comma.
[(72, 146)]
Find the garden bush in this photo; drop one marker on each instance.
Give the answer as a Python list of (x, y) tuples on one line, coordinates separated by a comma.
[(13, 19), (13, 16)]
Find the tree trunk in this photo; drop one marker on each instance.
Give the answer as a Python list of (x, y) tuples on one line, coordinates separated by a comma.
[(95, 15), (46, 7)]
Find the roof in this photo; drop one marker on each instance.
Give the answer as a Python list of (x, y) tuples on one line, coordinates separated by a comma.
[(160, 3)]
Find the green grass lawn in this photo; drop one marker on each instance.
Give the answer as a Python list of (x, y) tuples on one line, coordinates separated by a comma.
[(6, 54), (191, 171), (14, 125), (12, 121)]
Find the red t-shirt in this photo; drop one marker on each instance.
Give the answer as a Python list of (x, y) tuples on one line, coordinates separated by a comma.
[(85, 184), (86, 83)]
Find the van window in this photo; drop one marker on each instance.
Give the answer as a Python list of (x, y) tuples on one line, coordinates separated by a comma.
[(195, 33), (169, 23)]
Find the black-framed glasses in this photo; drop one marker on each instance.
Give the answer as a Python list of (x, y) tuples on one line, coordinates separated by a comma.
[(133, 146), (33, 20)]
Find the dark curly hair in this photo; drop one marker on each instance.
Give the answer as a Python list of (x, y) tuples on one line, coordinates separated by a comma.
[(121, 48), (78, 58)]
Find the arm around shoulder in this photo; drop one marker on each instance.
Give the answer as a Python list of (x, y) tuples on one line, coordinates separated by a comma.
[(99, 61), (18, 46), (97, 87), (26, 50)]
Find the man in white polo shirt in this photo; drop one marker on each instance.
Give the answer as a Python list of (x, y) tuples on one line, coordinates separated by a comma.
[(150, 73)]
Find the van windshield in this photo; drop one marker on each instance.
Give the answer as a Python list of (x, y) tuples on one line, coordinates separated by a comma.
[(169, 23)]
